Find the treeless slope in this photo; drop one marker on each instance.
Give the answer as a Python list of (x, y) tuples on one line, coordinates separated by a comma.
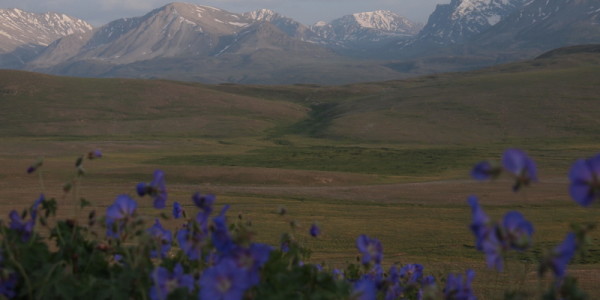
[(34, 104)]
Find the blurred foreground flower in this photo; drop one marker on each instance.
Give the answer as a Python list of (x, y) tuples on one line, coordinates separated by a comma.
[(314, 230), (559, 258), (155, 189), (166, 282), (22, 227), (118, 215), (371, 249), (459, 288), (162, 238), (36, 165), (485, 170), (493, 239), (177, 210), (94, 154), (365, 289), (514, 161), (224, 281), (585, 180), (521, 166)]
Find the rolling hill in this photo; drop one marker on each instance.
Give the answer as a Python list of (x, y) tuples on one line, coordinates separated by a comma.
[(553, 97)]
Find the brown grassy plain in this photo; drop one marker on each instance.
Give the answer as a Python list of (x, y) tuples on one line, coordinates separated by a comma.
[(389, 159)]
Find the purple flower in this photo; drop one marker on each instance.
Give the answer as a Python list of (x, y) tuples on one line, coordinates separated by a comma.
[(221, 238), (177, 210), (428, 281), (166, 282), (560, 256), (365, 289), (118, 214), (155, 189), (371, 249), (163, 238), (458, 288), (35, 166), (394, 292), (375, 274), (488, 236), (493, 247), (224, 281), (412, 273), (94, 154), (337, 274), (517, 230), (521, 166), (8, 284), (485, 170), (204, 202), (585, 180), (22, 226), (191, 240), (250, 260), (481, 225), (393, 274), (314, 230)]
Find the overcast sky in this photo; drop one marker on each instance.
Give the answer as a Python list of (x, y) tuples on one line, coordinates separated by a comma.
[(100, 12)]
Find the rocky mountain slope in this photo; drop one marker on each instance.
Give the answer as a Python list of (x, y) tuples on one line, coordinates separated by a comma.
[(201, 43), (191, 42), (461, 20), (23, 34), (545, 24), (359, 33)]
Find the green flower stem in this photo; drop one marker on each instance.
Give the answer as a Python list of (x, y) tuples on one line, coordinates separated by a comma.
[(46, 279), (12, 258), (41, 180)]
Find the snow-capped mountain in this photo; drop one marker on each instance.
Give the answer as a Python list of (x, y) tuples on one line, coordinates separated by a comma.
[(20, 28), (202, 43), (185, 41), (366, 26), (461, 20), (289, 26), (177, 29), (546, 24)]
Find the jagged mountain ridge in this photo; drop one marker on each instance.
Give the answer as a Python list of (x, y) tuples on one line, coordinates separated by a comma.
[(190, 42), (193, 42), (366, 27), (287, 25), (542, 25), (19, 28), (178, 29), (461, 20), (23, 35)]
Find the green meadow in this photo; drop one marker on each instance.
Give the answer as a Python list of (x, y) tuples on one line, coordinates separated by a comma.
[(387, 159)]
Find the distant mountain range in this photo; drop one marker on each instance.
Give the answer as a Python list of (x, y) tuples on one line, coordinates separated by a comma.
[(200, 43), (23, 34)]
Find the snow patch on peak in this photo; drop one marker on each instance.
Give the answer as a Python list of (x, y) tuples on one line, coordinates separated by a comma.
[(320, 24), (494, 19), (379, 19), (261, 15), (20, 28)]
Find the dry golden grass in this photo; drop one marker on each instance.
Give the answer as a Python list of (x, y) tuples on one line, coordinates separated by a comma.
[(418, 222)]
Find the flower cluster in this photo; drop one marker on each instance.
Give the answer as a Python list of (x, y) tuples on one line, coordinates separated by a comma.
[(406, 282), (494, 239), (206, 256), (515, 232)]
